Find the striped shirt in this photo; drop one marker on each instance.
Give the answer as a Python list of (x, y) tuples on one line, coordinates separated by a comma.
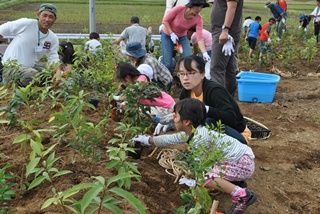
[(232, 149)]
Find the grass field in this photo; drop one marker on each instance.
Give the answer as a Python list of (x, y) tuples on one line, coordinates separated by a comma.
[(118, 12)]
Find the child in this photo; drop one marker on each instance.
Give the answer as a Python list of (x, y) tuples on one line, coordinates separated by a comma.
[(304, 21), (265, 39), (239, 164), (128, 74), (93, 45)]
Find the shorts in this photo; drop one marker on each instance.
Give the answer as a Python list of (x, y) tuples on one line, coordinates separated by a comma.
[(252, 42), (264, 47), (239, 170)]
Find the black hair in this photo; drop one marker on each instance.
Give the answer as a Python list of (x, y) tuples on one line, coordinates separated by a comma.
[(94, 35), (193, 28), (66, 50), (257, 18), (187, 62), (126, 69), (191, 109)]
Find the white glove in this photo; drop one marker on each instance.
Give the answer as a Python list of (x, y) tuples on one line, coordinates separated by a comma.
[(283, 20), (160, 28), (160, 127), (299, 27), (207, 109), (227, 48), (206, 57), (188, 182), (116, 98), (305, 29), (174, 37), (269, 40), (143, 139)]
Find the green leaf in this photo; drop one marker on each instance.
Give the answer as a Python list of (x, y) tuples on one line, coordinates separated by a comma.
[(36, 182), (113, 208), (112, 163), (22, 138), (121, 176), (88, 197), (130, 198), (64, 172), (48, 202), (35, 147), (31, 166)]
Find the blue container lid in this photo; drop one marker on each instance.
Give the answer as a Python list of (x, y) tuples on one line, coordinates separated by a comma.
[(247, 76)]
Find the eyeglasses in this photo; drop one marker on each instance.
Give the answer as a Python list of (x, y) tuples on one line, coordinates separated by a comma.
[(188, 74)]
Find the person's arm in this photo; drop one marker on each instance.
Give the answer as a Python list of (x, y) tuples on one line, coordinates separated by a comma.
[(117, 41), (232, 6), (195, 49), (169, 5), (248, 31), (202, 46)]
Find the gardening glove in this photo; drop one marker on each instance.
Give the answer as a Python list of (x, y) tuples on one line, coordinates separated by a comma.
[(160, 28), (120, 105), (160, 127), (116, 97), (269, 40), (283, 20), (143, 139), (299, 27), (305, 30), (206, 57), (174, 37), (227, 48), (188, 182)]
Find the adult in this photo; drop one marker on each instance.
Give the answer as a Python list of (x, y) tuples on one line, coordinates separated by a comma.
[(316, 20), (192, 36), (252, 34), (219, 103), (138, 55), (134, 33), (280, 16), (93, 45), (177, 22), (247, 22), (265, 39), (226, 29), (33, 39)]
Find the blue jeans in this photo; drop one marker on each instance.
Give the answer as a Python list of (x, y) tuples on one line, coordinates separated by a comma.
[(228, 131), (167, 47)]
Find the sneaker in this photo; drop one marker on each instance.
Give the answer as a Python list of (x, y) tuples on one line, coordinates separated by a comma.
[(241, 204)]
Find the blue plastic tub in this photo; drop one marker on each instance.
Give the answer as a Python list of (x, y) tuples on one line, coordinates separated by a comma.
[(256, 87)]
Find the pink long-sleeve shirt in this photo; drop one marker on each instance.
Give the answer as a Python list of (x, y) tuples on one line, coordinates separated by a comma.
[(179, 25)]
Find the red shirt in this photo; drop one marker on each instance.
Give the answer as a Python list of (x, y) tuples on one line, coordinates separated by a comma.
[(265, 28)]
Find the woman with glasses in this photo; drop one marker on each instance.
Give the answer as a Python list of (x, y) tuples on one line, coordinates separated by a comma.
[(220, 105)]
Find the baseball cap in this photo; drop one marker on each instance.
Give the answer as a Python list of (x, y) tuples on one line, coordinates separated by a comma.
[(134, 19), (48, 7)]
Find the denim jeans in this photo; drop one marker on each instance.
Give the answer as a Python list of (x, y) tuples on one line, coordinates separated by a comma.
[(167, 47), (228, 131)]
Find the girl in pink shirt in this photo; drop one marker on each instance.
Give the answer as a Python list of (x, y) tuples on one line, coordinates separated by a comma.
[(127, 74)]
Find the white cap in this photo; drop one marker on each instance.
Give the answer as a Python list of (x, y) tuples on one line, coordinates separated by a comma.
[(146, 70)]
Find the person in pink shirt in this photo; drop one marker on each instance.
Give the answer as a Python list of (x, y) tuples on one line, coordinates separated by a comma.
[(127, 74), (207, 37), (177, 22)]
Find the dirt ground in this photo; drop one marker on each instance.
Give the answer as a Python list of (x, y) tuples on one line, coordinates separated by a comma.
[(287, 163)]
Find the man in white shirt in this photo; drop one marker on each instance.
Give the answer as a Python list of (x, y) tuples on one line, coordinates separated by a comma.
[(33, 39)]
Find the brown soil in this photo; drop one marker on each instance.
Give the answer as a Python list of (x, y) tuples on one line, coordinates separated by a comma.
[(287, 163)]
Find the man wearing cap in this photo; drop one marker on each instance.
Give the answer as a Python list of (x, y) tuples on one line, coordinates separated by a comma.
[(316, 21), (134, 33), (280, 15), (226, 29), (33, 39)]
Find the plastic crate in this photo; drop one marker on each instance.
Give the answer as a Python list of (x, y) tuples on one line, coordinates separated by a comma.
[(256, 87)]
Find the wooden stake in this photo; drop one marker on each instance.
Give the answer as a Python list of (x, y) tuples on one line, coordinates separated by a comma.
[(152, 153), (214, 207)]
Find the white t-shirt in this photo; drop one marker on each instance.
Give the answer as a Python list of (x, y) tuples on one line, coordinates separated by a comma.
[(247, 23), (93, 46), (23, 47), (315, 12)]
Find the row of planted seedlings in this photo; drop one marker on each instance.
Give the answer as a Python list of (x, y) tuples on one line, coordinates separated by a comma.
[(69, 126)]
